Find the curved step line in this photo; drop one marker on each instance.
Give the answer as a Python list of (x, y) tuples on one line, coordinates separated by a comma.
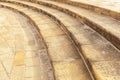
[(113, 39), (100, 10), (86, 62), (45, 46)]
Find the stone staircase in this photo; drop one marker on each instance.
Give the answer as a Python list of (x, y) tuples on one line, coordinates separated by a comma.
[(82, 40)]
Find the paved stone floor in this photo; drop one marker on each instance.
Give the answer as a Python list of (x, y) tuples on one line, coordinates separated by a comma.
[(17, 55)]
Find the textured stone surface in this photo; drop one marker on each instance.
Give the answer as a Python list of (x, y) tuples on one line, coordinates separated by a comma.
[(108, 4), (58, 53), (15, 38), (24, 56)]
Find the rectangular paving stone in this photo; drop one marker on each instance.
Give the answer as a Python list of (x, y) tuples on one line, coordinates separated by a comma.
[(31, 72), (70, 70), (18, 73), (33, 61), (58, 41), (107, 70), (62, 53), (52, 32), (19, 58)]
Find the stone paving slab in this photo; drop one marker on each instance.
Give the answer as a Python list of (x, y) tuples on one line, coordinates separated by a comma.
[(70, 67), (107, 69), (15, 36)]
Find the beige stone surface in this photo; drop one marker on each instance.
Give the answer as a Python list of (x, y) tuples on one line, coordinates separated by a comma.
[(13, 42), (105, 25), (68, 52), (108, 4), (93, 46), (63, 70), (102, 56), (109, 70), (19, 58)]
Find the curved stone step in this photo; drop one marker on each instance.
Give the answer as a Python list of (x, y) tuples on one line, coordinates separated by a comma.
[(106, 7), (94, 47), (25, 44), (64, 56), (106, 26)]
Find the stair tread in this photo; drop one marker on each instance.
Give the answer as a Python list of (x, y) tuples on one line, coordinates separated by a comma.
[(84, 35), (59, 54), (107, 23), (107, 4), (96, 50)]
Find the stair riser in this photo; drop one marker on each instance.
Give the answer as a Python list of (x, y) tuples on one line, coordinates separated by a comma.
[(97, 9), (113, 39)]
